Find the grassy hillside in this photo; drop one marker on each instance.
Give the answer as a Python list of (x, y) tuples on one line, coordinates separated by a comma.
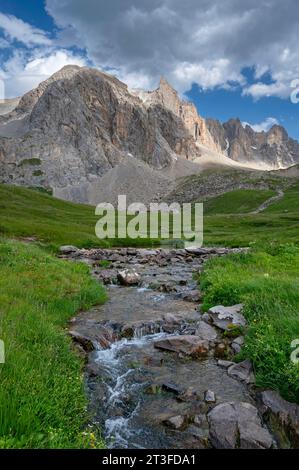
[(237, 202), (42, 400), (289, 203), (278, 223), (30, 213)]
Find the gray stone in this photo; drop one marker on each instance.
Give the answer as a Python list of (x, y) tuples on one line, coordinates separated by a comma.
[(242, 371), (171, 388), (201, 421), (282, 416), (210, 396), (68, 249), (226, 318), (206, 317), (205, 331), (192, 296), (195, 437), (239, 340), (128, 277), (237, 425), (237, 344), (186, 344), (107, 276), (175, 422)]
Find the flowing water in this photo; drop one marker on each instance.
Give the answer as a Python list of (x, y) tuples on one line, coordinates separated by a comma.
[(133, 387)]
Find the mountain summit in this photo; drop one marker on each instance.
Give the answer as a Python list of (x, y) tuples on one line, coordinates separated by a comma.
[(81, 124)]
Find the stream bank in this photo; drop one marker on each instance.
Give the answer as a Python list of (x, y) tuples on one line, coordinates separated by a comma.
[(159, 373)]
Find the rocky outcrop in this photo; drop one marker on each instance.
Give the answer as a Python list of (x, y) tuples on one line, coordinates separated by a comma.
[(273, 149), (165, 96)]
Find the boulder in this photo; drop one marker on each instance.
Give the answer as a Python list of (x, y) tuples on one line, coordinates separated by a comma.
[(237, 425), (282, 416), (242, 371), (205, 332), (186, 344), (128, 277), (93, 336), (86, 343), (68, 249), (227, 318)]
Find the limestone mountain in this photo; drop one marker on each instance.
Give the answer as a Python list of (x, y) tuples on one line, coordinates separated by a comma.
[(83, 131), (272, 150), (81, 123)]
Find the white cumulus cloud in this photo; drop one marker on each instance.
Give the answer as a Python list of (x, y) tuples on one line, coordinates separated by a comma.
[(22, 73), (16, 29), (203, 42)]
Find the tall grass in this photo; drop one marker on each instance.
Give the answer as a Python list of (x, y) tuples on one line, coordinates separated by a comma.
[(42, 401)]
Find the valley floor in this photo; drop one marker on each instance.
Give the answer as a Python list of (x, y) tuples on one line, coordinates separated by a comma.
[(42, 401)]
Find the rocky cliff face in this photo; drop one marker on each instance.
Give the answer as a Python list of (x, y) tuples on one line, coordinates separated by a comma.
[(273, 149), (80, 123), (167, 98)]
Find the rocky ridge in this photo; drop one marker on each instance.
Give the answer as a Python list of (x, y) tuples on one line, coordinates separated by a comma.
[(273, 149)]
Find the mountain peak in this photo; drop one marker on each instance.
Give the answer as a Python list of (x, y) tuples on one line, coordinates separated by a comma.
[(164, 84)]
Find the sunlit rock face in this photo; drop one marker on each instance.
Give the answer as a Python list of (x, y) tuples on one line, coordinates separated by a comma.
[(80, 124), (273, 149)]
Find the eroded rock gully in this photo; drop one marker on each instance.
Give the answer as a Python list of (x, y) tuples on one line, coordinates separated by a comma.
[(159, 373)]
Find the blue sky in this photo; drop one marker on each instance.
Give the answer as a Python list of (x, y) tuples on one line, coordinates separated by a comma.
[(237, 59)]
